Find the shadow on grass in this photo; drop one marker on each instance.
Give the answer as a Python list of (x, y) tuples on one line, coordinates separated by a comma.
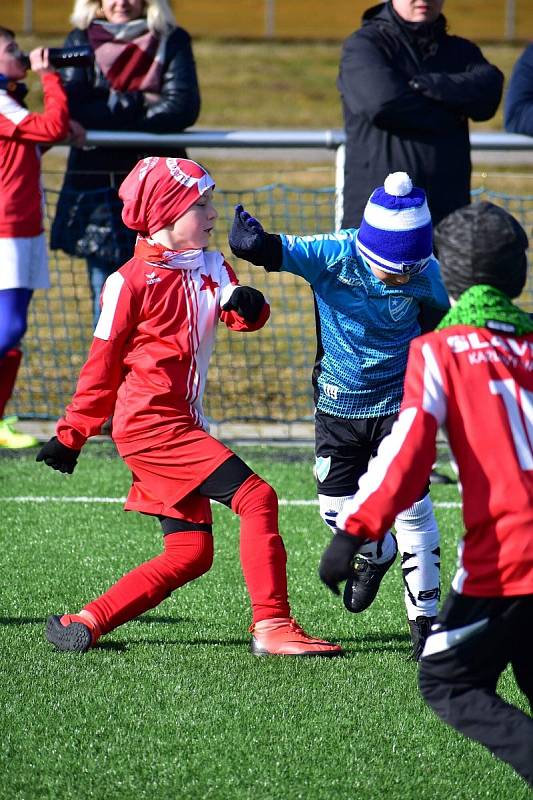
[(117, 647), (189, 642), (144, 618), (375, 643), (354, 645)]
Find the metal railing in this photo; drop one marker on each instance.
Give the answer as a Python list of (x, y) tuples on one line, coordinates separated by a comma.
[(326, 139)]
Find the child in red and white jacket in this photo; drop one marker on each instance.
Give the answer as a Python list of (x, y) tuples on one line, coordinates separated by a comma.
[(147, 366), (23, 256)]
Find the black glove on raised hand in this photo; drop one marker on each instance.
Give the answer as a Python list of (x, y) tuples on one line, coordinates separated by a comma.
[(58, 456), (336, 562), (246, 301), (249, 240)]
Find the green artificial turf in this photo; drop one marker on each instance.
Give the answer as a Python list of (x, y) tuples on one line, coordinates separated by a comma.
[(173, 705)]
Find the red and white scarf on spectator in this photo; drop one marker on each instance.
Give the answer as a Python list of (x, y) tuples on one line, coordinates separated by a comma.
[(130, 57)]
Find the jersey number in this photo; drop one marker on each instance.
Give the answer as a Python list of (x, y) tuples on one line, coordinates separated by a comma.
[(519, 406)]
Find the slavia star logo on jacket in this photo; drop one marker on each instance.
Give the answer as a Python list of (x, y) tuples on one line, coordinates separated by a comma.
[(208, 283)]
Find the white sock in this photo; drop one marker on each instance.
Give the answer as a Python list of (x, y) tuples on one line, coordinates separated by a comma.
[(377, 552), (381, 551), (330, 507), (418, 541)]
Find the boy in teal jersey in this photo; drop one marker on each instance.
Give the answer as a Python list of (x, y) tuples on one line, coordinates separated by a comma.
[(375, 289)]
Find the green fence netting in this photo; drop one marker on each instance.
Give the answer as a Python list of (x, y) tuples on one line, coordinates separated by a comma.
[(260, 377)]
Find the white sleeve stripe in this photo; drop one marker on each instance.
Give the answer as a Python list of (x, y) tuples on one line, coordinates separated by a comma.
[(378, 467), (12, 110), (192, 316), (112, 288), (227, 291), (434, 400)]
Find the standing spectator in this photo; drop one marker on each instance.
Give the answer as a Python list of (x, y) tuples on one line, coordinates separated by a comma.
[(371, 287), (519, 99), (408, 89), (475, 376), (23, 256), (143, 79), (148, 361)]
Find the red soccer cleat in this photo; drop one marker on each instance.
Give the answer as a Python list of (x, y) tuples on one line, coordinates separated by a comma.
[(73, 633), (283, 636)]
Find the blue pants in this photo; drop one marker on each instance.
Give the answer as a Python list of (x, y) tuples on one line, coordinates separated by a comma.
[(13, 317), (99, 270)]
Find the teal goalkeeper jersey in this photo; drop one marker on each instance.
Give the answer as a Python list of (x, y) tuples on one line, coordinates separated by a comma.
[(364, 327)]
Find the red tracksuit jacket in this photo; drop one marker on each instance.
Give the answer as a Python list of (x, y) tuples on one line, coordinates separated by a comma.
[(21, 132), (148, 361)]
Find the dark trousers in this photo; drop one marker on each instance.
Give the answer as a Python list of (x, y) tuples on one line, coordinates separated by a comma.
[(473, 641)]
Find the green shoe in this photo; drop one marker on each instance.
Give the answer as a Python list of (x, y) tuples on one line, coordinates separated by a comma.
[(13, 439)]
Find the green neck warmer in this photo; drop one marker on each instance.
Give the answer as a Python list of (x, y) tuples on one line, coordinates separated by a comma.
[(483, 304)]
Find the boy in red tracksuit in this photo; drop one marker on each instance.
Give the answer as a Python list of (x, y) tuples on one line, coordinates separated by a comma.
[(147, 366), (473, 375), (23, 255)]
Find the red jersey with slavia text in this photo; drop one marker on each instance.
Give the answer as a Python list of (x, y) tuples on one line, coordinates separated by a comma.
[(21, 132), (148, 361), (478, 384)]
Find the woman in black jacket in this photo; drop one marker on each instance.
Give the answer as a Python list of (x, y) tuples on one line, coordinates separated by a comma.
[(142, 78)]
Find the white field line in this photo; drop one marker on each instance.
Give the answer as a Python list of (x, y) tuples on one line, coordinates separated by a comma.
[(82, 499)]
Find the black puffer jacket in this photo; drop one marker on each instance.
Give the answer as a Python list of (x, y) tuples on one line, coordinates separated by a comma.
[(88, 212), (408, 91)]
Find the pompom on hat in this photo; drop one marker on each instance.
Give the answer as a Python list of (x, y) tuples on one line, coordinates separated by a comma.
[(482, 244), (159, 190), (396, 231)]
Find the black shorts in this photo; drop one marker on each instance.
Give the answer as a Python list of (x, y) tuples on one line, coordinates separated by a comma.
[(343, 449)]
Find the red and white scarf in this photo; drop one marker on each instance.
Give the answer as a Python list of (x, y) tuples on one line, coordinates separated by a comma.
[(157, 255), (129, 55)]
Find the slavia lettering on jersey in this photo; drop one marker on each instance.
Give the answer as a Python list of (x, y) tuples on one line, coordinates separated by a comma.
[(496, 348)]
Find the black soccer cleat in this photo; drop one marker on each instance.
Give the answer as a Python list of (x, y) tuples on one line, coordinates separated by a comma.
[(440, 477), (420, 630), (361, 589), (74, 637)]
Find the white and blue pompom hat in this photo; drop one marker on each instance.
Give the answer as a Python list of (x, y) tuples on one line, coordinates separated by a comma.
[(396, 234)]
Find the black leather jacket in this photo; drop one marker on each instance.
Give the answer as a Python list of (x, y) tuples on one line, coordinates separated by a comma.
[(87, 224)]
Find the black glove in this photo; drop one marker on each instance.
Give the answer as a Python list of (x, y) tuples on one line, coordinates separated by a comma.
[(58, 456), (249, 240), (336, 562), (246, 301)]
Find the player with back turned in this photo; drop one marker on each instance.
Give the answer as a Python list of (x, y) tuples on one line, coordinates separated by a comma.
[(474, 376)]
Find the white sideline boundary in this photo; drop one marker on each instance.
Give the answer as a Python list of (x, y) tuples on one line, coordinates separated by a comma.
[(82, 499)]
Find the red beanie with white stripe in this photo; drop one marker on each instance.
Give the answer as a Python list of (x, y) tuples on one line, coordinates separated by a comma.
[(159, 190)]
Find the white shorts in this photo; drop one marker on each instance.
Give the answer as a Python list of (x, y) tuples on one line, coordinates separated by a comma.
[(24, 263)]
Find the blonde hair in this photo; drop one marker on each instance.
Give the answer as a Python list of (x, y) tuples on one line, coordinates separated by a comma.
[(158, 15)]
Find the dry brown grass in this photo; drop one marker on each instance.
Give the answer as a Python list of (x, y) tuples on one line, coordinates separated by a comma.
[(480, 20)]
